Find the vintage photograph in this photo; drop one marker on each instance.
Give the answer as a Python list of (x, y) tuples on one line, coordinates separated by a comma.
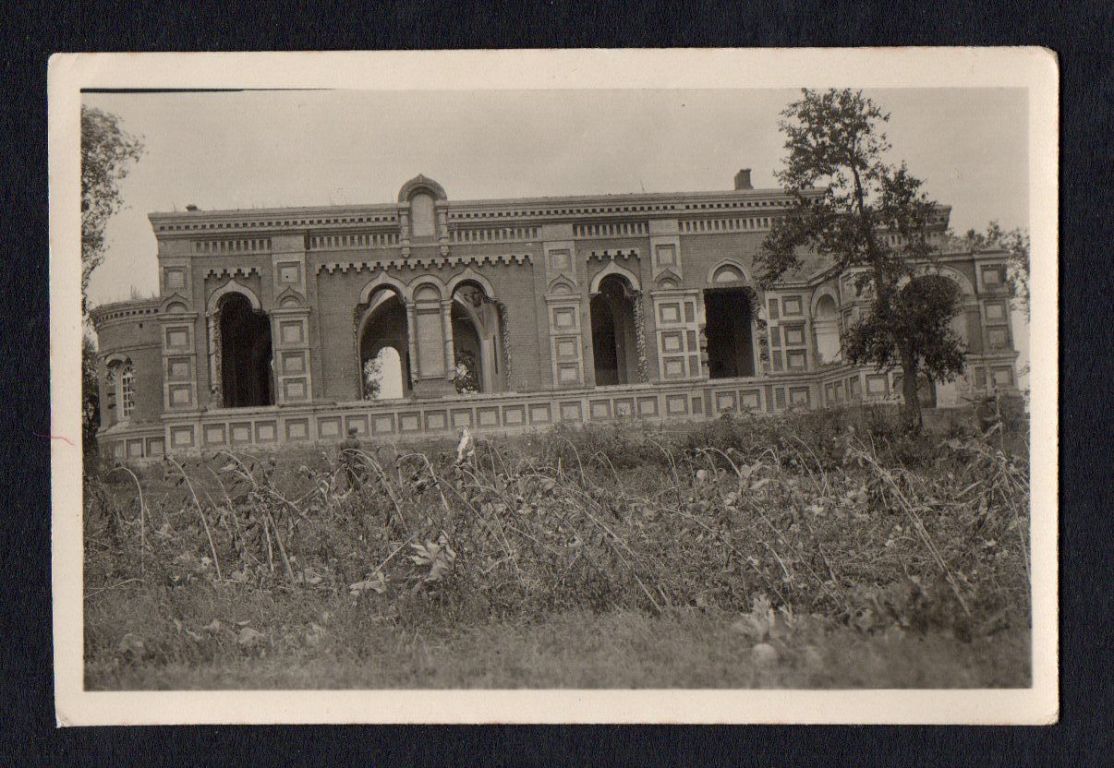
[(594, 388)]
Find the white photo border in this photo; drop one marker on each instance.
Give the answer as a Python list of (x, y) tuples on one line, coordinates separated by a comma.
[(1034, 69)]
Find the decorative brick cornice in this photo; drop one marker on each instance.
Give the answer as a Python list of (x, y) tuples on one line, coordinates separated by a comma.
[(232, 271), (610, 254), (124, 310), (424, 262)]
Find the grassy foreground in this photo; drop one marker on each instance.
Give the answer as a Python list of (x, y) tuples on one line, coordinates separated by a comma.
[(811, 550)]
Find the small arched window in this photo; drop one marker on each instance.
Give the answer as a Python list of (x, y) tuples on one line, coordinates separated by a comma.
[(119, 383), (127, 390)]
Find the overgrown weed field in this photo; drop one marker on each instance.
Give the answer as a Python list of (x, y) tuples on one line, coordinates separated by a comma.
[(821, 549)]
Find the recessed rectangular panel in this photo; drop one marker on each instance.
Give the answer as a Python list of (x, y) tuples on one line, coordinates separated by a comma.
[(726, 401), (431, 344), (297, 429), (1002, 377), (178, 369), (409, 422), (293, 362), (854, 388), (154, 446), (564, 317), (799, 396), (568, 374), (266, 431), (676, 405), (240, 432), (566, 348), (560, 260), (177, 338), (539, 414), (383, 423), (214, 434), (624, 407), (674, 367), (295, 389), (672, 342), (357, 422), (648, 407), (289, 273), (328, 427), (291, 331), (600, 409), (794, 335), (436, 420), (487, 417), (135, 449), (175, 278), (797, 360), (666, 256), (779, 397), (992, 276), (875, 384), (750, 399), (570, 411), (791, 305), (838, 391), (998, 338), (669, 313), (513, 415), (462, 418), (181, 395), (995, 311), (181, 437)]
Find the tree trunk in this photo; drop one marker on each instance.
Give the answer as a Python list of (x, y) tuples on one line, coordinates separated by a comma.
[(912, 409)]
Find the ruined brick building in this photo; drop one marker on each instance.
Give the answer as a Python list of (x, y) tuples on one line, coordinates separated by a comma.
[(499, 315)]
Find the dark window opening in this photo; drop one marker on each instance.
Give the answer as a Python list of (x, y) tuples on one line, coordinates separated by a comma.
[(246, 375), (614, 346), (385, 375), (728, 330)]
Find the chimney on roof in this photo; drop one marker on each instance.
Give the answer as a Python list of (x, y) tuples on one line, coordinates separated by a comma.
[(742, 179), (191, 207)]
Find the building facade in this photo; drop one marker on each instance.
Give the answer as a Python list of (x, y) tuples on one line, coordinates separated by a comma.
[(427, 315)]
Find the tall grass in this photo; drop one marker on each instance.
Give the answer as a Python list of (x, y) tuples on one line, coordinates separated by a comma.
[(833, 516)]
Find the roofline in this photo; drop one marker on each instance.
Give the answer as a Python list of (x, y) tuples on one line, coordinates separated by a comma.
[(606, 198)]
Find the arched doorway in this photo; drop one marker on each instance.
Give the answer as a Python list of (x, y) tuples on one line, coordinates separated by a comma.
[(825, 324), (728, 321), (477, 340), (614, 335), (245, 346), (384, 348)]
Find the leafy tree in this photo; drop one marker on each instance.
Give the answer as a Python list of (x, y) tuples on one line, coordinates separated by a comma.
[(1015, 242), (107, 153), (847, 202), (373, 377), (90, 397)]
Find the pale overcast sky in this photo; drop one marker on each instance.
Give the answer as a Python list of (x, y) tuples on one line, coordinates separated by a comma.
[(296, 148)]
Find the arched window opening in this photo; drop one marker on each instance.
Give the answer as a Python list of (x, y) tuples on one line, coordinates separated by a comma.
[(127, 390), (383, 376), (825, 323), (385, 348), (245, 345), (119, 390), (477, 340), (728, 317), (614, 340)]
